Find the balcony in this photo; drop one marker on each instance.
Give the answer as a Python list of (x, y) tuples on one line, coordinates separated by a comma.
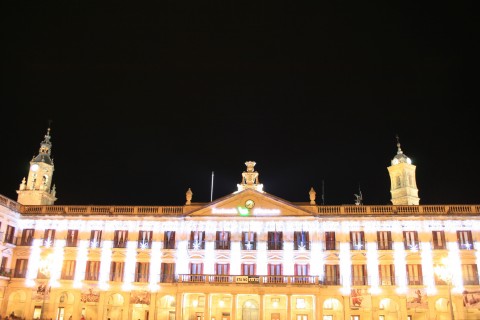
[(222, 245)]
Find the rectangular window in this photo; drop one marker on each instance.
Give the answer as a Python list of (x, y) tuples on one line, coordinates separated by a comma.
[(222, 270), (248, 269), (357, 240), (302, 272), (275, 240), (92, 271), (197, 240), (387, 274), (167, 272), (120, 238), (68, 269), (72, 238), (27, 237), (438, 238), (332, 274), (95, 238), (301, 240), (359, 275), (142, 271), (144, 239), (470, 274), (10, 234), (414, 274), (410, 240), (21, 268), (330, 242), (222, 240), (3, 266), (196, 272), (116, 271), (169, 240), (384, 240), (249, 240), (275, 272), (464, 239), (49, 238)]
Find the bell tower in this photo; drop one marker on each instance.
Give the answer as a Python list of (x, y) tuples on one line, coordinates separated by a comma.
[(36, 189), (402, 177)]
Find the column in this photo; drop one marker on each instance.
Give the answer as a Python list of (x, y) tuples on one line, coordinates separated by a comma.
[(233, 312), (260, 311), (179, 306), (289, 307)]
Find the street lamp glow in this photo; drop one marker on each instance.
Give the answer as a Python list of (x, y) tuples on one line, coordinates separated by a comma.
[(444, 272)]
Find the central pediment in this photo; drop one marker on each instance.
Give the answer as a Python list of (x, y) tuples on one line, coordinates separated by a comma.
[(250, 203)]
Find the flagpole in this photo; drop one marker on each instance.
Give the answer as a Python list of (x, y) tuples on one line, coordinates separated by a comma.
[(211, 189)]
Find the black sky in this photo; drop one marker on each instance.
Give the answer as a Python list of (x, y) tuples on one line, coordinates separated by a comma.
[(147, 100)]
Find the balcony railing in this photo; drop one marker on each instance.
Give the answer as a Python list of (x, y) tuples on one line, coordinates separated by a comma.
[(274, 245)]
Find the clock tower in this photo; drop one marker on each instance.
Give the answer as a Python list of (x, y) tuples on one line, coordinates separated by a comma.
[(36, 189), (402, 177)]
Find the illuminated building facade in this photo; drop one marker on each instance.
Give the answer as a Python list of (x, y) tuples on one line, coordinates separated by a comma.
[(246, 256)]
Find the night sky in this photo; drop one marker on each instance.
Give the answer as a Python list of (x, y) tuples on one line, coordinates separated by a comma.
[(145, 101)]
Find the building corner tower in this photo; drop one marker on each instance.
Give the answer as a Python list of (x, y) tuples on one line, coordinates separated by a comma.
[(402, 177), (36, 189)]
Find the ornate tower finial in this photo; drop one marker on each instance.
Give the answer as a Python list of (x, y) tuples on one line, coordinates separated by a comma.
[(399, 150)]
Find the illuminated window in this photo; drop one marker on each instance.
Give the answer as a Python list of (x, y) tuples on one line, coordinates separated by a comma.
[(384, 240), (222, 270), (144, 239), (27, 237), (301, 273), (142, 270), (9, 235), (330, 243), (169, 240), (120, 238), (167, 272), (300, 303), (116, 271), (72, 238), (359, 275), (275, 272), (248, 269), (222, 240), (387, 274), (414, 274), (21, 268), (410, 240), (68, 269), (275, 240), (301, 240), (332, 274), (49, 237), (196, 272), (197, 240), (95, 238), (357, 240), (92, 271), (464, 239), (470, 274), (249, 240), (438, 239)]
